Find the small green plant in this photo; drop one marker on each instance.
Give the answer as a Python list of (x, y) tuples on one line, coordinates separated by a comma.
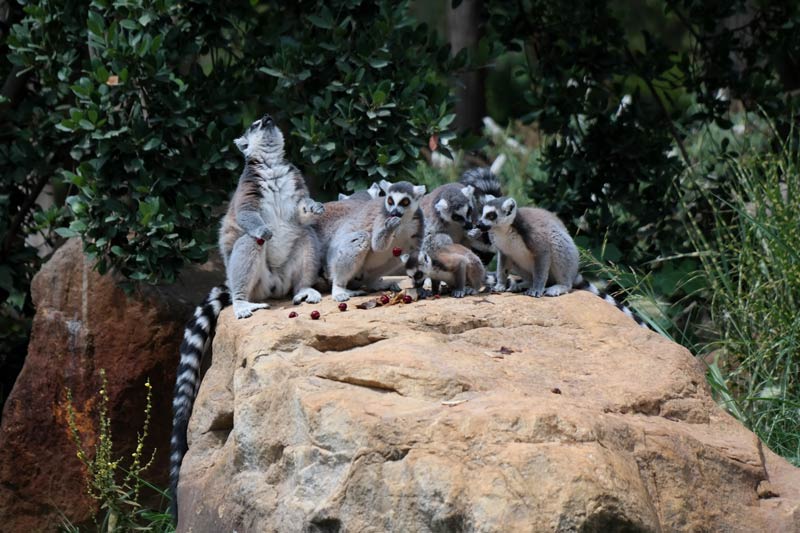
[(117, 489)]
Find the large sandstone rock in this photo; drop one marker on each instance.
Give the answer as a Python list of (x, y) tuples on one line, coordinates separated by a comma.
[(85, 323), (408, 418)]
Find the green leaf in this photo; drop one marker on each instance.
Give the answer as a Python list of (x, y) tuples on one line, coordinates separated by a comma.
[(320, 22)]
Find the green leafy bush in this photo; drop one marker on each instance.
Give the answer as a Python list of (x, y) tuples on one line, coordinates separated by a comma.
[(363, 88), (615, 104), (144, 99)]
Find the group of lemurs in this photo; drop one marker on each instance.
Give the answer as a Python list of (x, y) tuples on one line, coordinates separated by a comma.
[(276, 241)]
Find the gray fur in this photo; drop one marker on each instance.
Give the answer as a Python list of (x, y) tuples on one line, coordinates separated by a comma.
[(271, 203), (364, 195), (358, 238), (531, 243)]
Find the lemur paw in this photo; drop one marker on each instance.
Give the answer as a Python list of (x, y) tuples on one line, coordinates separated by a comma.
[(500, 287), (317, 208), (474, 233), (458, 293), (342, 295), (469, 291), (556, 290), (392, 222), (308, 295), (536, 293), (244, 309), (262, 232)]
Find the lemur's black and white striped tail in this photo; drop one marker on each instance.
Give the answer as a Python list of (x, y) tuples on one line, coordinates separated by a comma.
[(197, 338), (484, 180), (584, 285)]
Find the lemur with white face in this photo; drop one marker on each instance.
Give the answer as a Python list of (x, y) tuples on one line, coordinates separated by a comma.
[(531, 243), (359, 237), (535, 245), (270, 250), (453, 264), (448, 213)]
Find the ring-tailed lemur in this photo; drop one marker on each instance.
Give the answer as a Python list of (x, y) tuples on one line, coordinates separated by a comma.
[(270, 250), (484, 183), (535, 245), (359, 238), (448, 214), (364, 195), (453, 264)]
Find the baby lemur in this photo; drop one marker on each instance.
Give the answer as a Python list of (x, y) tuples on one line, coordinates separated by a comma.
[(359, 237), (270, 250), (453, 264)]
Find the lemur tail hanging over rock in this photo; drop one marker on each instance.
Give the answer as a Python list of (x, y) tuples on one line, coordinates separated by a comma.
[(270, 250), (534, 244)]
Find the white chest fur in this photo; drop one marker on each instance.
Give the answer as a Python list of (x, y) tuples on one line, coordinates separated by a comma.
[(511, 244), (279, 211)]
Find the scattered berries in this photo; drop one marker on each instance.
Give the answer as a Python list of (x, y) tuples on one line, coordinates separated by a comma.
[(342, 307), (314, 315), (407, 299), (397, 252), (259, 241), (293, 315), (384, 299)]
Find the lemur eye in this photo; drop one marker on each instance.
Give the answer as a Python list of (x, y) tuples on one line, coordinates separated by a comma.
[(457, 218), (469, 211), (390, 201), (491, 216), (404, 202), (418, 275)]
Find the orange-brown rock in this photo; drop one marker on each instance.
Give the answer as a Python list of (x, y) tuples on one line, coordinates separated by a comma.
[(85, 323), (503, 413)]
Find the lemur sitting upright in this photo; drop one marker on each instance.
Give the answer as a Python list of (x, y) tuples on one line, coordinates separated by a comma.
[(270, 251), (358, 239)]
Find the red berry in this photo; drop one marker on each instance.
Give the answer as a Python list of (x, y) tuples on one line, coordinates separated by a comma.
[(259, 241), (436, 296), (292, 315), (384, 299), (342, 306), (397, 252), (314, 315), (407, 299)]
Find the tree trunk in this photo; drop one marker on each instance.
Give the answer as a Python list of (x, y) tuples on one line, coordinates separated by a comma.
[(464, 31)]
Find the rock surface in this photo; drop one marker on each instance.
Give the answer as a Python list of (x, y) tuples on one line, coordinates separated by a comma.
[(85, 323), (411, 418)]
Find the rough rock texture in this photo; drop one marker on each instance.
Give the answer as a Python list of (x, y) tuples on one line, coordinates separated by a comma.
[(407, 418), (84, 323)]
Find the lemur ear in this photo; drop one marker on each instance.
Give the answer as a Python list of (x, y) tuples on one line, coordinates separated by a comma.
[(488, 198), (384, 185), (419, 190), (468, 191), (404, 258), (241, 143), (343, 196), (374, 190), (441, 205), (509, 206)]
